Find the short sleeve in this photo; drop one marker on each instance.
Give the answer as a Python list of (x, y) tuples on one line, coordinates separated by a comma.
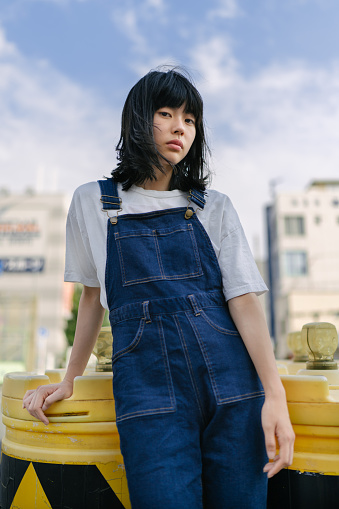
[(239, 271), (79, 263), (240, 274)]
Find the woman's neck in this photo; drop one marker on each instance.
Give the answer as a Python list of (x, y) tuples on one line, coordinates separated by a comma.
[(162, 182)]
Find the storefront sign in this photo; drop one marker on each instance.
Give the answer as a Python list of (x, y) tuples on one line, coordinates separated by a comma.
[(21, 264)]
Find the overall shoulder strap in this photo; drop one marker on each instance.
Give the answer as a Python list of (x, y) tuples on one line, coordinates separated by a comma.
[(198, 197), (109, 194)]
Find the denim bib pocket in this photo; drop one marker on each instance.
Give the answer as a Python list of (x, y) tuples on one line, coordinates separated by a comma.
[(142, 382), (232, 373), (158, 254)]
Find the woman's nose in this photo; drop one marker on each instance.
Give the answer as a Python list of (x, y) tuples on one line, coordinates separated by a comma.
[(178, 127)]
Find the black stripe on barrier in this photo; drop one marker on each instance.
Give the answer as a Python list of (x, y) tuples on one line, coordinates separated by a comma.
[(12, 472), (65, 486), (292, 489)]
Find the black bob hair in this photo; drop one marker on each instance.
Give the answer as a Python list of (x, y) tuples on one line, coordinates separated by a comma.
[(136, 149)]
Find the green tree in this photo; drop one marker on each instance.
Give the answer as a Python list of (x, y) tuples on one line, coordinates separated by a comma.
[(71, 323)]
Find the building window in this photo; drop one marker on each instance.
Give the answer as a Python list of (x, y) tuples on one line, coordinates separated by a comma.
[(295, 263), (294, 225), (317, 219), (335, 202)]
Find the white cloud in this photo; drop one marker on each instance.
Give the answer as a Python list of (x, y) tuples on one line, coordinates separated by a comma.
[(6, 48), (50, 125), (126, 20), (132, 18), (322, 3), (133, 21), (156, 4), (281, 122), (225, 9)]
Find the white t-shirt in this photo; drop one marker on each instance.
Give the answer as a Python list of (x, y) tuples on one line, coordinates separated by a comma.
[(86, 235)]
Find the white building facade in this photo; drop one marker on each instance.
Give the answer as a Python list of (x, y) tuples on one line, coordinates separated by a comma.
[(303, 259), (32, 251)]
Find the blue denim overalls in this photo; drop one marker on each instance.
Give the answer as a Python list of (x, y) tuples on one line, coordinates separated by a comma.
[(188, 399)]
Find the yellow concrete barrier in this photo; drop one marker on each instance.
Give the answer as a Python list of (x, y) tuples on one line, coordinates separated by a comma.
[(75, 461), (312, 481)]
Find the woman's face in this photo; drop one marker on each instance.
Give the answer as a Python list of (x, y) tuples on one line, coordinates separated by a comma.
[(174, 133)]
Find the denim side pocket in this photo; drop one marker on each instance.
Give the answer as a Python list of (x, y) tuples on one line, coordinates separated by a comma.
[(231, 370), (142, 382), (159, 254)]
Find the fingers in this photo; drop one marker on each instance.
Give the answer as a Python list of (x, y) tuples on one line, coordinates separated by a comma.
[(270, 442), (273, 467), (57, 395), (277, 425), (285, 457), (27, 398), (36, 402)]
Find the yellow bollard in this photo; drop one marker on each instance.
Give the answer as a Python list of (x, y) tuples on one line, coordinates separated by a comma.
[(295, 344), (75, 461), (321, 341), (103, 350), (312, 481), (298, 362)]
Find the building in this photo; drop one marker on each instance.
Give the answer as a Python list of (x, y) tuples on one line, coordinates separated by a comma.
[(32, 292), (303, 259)]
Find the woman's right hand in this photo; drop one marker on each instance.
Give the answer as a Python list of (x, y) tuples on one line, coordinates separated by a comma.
[(89, 321), (39, 400)]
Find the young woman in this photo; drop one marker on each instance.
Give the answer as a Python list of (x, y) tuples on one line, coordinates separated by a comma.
[(198, 398)]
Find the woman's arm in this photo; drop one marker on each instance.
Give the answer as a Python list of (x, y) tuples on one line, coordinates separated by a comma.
[(89, 321), (248, 316)]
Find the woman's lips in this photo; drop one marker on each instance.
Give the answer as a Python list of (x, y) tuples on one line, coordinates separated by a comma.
[(175, 144)]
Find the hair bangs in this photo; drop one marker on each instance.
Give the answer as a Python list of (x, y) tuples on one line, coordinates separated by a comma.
[(174, 90)]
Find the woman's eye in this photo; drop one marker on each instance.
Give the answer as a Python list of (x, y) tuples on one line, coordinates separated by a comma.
[(164, 113), (190, 121)]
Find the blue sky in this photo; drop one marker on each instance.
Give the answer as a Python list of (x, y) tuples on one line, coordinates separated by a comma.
[(268, 71)]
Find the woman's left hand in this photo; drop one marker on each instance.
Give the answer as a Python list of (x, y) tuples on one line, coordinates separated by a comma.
[(277, 425)]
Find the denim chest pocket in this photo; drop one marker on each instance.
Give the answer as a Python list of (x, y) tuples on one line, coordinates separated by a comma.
[(159, 254), (142, 381)]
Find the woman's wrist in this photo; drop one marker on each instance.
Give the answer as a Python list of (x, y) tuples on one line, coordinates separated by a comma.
[(69, 379), (275, 390)]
